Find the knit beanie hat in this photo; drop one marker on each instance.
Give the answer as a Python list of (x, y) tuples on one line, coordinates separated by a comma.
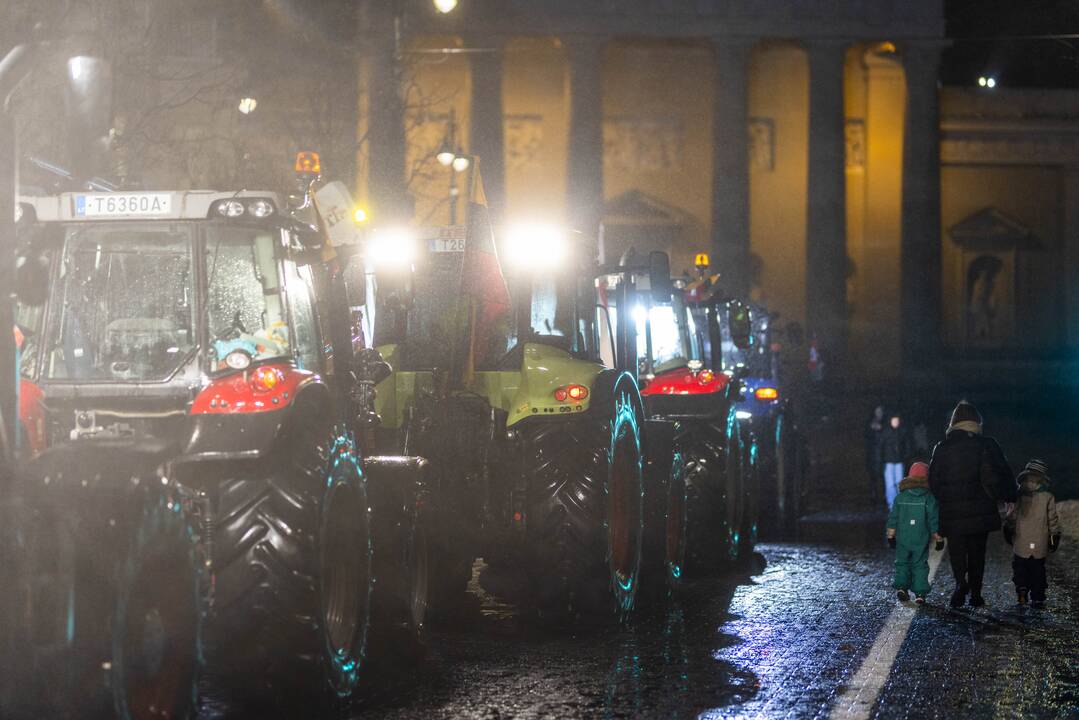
[(1038, 467), (918, 470), (965, 412)]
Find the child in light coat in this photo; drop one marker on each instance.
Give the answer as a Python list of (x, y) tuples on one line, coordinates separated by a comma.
[(1033, 529)]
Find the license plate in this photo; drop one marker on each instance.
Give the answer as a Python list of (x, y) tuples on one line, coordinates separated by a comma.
[(123, 204), (456, 244)]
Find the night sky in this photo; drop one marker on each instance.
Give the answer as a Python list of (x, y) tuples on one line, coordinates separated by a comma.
[(997, 38)]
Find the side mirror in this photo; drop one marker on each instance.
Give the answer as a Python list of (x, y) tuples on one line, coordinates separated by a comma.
[(659, 276), (32, 280), (740, 324), (355, 282)]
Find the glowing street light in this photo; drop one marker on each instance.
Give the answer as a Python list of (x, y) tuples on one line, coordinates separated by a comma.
[(247, 105), (445, 6)]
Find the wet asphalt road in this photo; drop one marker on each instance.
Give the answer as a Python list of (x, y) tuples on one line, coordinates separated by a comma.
[(782, 643)]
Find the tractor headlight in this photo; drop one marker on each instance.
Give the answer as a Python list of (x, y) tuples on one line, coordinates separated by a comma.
[(536, 246), (391, 248), (238, 360)]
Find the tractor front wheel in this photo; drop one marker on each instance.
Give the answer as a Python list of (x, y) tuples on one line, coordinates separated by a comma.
[(292, 569), (585, 511), (156, 637)]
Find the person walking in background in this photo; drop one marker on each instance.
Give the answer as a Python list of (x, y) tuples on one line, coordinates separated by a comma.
[(1033, 530), (912, 522), (894, 452), (969, 476), (874, 463)]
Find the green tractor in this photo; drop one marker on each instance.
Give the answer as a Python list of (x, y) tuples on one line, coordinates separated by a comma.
[(546, 463)]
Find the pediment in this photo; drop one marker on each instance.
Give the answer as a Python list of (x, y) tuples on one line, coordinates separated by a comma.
[(636, 207), (991, 229)]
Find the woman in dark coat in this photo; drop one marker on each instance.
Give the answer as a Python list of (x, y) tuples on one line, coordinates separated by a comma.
[(968, 476)]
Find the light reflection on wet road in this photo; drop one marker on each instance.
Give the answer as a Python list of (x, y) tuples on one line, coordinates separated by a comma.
[(781, 643)]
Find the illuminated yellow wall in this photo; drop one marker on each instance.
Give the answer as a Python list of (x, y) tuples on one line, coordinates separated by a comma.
[(658, 133), (876, 96), (778, 95), (433, 84), (534, 100)]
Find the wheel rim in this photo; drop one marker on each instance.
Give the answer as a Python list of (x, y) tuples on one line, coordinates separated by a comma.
[(160, 629), (675, 548), (624, 516), (344, 575)]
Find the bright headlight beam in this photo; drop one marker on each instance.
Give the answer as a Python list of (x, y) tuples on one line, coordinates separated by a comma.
[(536, 246), (391, 248)]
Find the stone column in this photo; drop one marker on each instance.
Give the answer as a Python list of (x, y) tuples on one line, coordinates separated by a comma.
[(826, 221), (486, 134), (920, 266), (584, 179), (730, 163), (385, 121)]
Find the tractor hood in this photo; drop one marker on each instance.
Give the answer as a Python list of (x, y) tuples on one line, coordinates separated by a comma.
[(551, 382)]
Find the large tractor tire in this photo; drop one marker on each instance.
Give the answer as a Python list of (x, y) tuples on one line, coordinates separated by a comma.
[(94, 615), (783, 477), (446, 434), (156, 637), (585, 511), (713, 458), (401, 565), (665, 529), (751, 499), (292, 555)]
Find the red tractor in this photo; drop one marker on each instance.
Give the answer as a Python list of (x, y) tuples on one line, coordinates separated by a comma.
[(191, 399)]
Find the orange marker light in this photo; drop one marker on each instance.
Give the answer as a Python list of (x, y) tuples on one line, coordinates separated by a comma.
[(766, 393), (308, 162), (265, 379)]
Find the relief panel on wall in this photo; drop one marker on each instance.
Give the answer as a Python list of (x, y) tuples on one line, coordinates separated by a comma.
[(648, 144), (854, 134), (762, 143), (524, 141)]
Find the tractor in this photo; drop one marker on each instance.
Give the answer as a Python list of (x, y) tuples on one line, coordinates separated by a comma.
[(679, 386), (193, 489), (741, 349), (768, 409), (547, 466)]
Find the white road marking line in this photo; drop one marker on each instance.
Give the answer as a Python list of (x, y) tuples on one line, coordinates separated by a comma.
[(860, 695)]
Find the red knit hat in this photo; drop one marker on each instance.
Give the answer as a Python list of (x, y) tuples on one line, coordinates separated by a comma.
[(918, 470)]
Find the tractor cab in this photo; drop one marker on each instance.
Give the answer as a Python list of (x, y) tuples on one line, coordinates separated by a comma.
[(160, 304)]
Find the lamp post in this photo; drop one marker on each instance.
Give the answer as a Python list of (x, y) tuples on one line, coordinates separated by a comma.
[(451, 156)]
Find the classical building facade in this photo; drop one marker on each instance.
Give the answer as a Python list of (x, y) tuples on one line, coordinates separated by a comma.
[(1010, 235), (797, 141)]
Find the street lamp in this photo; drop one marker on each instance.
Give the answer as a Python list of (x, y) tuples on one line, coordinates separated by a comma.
[(451, 156), (247, 105), (445, 6)]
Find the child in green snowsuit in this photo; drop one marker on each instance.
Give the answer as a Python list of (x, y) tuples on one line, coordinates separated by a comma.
[(912, 522)]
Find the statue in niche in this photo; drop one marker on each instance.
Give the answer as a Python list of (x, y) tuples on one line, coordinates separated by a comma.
[(984, 299)]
